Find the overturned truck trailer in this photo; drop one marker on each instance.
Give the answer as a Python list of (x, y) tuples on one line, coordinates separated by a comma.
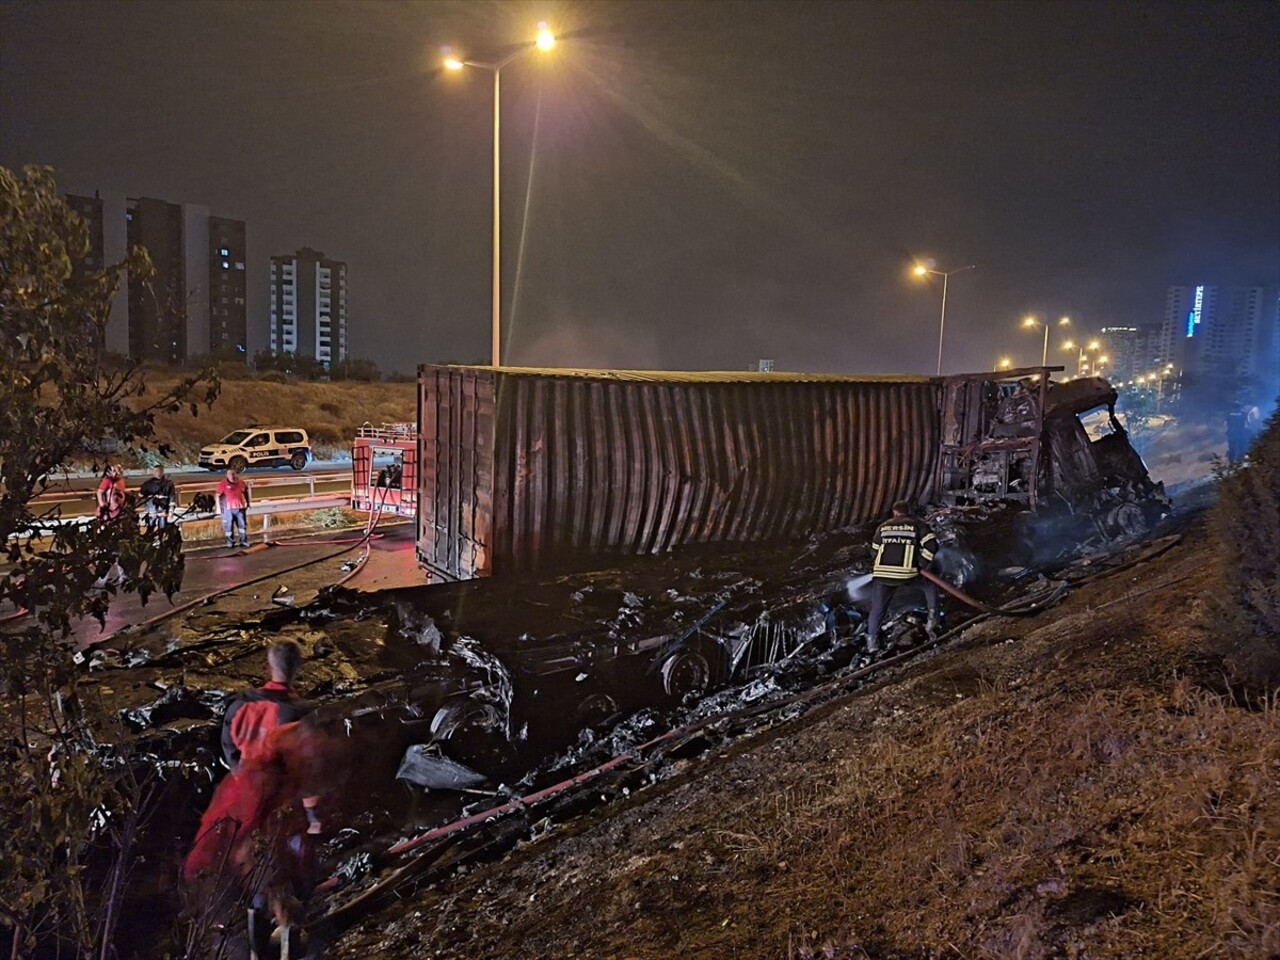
[(526, 469), (522, 469)]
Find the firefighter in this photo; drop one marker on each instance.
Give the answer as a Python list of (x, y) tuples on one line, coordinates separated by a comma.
[(903, 545), (111, 497)]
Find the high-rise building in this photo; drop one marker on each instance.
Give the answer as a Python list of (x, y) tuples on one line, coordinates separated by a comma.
[(309, 306), (1218, 331), (228, 317), (1134, 351), (108, 243), (160, 306), (194, 304)]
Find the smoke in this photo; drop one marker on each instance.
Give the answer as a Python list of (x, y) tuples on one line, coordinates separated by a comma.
[(590, 345)]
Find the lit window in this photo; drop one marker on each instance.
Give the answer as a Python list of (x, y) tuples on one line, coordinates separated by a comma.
[(226, 265), (225, 252)]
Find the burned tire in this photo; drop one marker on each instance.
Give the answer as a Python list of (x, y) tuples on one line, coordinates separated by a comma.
[(595, 708), (298, 461), (688, 672), (238, 464)]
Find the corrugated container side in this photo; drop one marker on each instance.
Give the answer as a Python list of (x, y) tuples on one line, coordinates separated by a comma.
[(573, 466)]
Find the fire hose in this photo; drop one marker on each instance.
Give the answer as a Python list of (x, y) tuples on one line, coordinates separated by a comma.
[(958, 593), (364, 541)]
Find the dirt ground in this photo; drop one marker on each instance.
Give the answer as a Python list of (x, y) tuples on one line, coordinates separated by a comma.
[(1078, 784)]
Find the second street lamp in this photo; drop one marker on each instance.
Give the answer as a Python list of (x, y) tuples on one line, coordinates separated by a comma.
[(924, 270), (1031, 322), (1082, 361), (544, 41)]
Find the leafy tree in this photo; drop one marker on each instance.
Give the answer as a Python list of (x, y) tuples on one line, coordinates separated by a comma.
[(64, 401)]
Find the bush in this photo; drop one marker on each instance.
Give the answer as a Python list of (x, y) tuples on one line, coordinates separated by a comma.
[(1247, 526), (325, 434), (332, 409)]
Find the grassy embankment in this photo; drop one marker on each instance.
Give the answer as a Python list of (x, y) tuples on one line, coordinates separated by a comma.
[(1098, 781), (330, 412)]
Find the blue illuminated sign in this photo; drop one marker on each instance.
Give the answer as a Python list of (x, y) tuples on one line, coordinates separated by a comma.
[(1193, 318)]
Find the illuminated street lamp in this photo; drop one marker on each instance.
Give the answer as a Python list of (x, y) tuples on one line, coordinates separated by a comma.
[(1082, 361), (544, 40), (1031, 322), (925, 269)]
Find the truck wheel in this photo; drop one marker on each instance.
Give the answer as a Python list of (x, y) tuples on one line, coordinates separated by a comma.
[(688, 672), (298, 461), (238, 464), (594, 709)]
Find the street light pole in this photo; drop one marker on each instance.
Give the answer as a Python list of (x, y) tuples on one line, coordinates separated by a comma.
[(496, 321), (942, 322), (545, 41), (1033, 322), (922, 270)]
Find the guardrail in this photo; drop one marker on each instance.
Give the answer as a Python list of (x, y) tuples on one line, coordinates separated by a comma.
[(265, 509), (310, 480)]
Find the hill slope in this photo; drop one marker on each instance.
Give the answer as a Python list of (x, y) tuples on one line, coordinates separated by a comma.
[(330, 412), (1062, 786)]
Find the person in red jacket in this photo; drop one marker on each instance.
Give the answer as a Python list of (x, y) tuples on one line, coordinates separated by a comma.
[(254, 714), (233, 503), (260, 824), (111, 493)]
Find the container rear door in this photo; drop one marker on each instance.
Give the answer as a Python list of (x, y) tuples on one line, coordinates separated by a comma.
[(455, 461)]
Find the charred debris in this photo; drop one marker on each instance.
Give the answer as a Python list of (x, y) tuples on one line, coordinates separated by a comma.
[(531, 661), (448, 697)]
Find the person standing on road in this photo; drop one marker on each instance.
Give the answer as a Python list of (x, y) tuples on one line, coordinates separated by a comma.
[(233, 503), (161, 498), (111, 493), (903, 546), (111, 497), (1237, 434)]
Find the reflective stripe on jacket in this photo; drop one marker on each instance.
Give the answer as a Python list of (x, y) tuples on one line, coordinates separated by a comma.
[(902, 546)]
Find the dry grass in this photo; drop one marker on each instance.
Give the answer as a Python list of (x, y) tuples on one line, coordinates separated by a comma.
[(330, 412), (1136, 822), (1076, 793)]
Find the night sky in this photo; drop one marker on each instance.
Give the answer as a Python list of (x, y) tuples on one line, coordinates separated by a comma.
[(711, 182)]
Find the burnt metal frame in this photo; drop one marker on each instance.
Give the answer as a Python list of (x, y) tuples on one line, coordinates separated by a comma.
[(958, 415)]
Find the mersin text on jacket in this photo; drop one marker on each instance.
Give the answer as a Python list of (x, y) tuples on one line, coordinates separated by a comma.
[(902, 546)]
